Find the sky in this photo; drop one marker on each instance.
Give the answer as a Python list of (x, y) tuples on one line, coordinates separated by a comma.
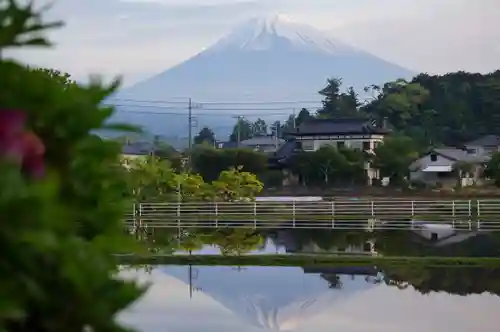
[(167, 307), (139, 38)]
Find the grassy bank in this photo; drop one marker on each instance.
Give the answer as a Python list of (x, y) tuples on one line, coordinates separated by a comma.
[(307, 260)]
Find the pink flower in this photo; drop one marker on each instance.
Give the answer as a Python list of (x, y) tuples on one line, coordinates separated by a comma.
[(22, 147), (11, 122)]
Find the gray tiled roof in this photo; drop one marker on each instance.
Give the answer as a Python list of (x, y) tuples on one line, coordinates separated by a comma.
[(138, 148), (263, 140), (338, 126), (286, 150), (462, 155), (488, 140)]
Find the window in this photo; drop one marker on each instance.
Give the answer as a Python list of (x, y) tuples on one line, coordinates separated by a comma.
[(434, 157), (340, 144), (366, 146)]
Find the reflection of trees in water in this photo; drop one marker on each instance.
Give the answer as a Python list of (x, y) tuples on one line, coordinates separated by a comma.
[(333, 280), (229, 241), (326, 239), (236, 241), (240, 241), (459, 281)]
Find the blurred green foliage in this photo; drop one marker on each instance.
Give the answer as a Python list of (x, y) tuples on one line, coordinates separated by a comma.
[(59, 233)]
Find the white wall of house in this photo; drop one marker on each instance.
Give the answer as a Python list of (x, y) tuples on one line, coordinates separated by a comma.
[(483, 149), (313, 143), (447, 178), (417, 172)]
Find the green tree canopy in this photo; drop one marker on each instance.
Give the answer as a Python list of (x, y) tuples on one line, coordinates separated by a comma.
[(206, 135), (394, 156)]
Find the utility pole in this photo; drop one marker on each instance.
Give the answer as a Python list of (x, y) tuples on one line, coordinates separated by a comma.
[(277, 134), (190, 132), (238, 129)]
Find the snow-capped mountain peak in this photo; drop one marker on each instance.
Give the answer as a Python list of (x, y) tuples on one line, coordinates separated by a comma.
[(280, 31)]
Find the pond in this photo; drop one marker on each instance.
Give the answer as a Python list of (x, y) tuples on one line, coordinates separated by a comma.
[(318, 299), (244, 241)]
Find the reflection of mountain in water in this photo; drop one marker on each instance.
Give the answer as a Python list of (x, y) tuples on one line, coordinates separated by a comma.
[(277, 299)]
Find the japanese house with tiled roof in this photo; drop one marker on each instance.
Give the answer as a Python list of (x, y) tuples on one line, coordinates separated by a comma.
[(363, 134)]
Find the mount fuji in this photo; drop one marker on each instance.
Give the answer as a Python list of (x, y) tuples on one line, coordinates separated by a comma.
[(272, 299), (264, 59)]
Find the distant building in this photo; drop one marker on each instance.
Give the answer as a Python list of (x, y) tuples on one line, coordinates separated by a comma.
[(351, 133), (137, 149), (484, 145), (266, 144), (142, 149), (438, 166)]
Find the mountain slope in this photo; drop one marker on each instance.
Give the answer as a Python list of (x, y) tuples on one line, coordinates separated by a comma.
[(275, 299), (264, 59)]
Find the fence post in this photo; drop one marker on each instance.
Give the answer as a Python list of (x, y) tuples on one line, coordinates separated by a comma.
[(333, 214), (470, 212), (293, 213), (140, 215), (453, 208), (373, 210), (216, 215), (254, 215), (413, 209), (478, 214), (134, 215)]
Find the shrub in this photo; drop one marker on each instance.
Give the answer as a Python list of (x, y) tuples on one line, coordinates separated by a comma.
[(61, 197)]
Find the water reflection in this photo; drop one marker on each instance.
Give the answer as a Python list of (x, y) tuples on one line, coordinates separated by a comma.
[(255, 299), (388, 243)]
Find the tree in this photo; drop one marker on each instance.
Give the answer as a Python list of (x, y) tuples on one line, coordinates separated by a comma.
[(394, 156), (302, 117), (62, 198), (353, 165), (446, 109), (329, 162), (206, 135), (151, 179), (235, 184), (338, 104), (210, 162), (492, 169), (399, 102), (242, 130), (259, 128), (62, 78)]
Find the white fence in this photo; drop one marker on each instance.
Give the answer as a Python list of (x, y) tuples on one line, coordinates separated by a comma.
[(347, 214)]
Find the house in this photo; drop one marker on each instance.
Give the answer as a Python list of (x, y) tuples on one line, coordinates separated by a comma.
[(486, 144), (351, 133), (266, 144), (439, 166), (137, 149)]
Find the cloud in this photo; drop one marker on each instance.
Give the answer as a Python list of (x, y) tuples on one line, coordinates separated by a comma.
[(142, 37)]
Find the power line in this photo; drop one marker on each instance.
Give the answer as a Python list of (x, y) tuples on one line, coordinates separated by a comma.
[(219, 102), (266, 114), (203, 108)]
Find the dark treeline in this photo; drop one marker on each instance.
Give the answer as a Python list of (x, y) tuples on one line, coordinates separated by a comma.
[(431, 109)]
